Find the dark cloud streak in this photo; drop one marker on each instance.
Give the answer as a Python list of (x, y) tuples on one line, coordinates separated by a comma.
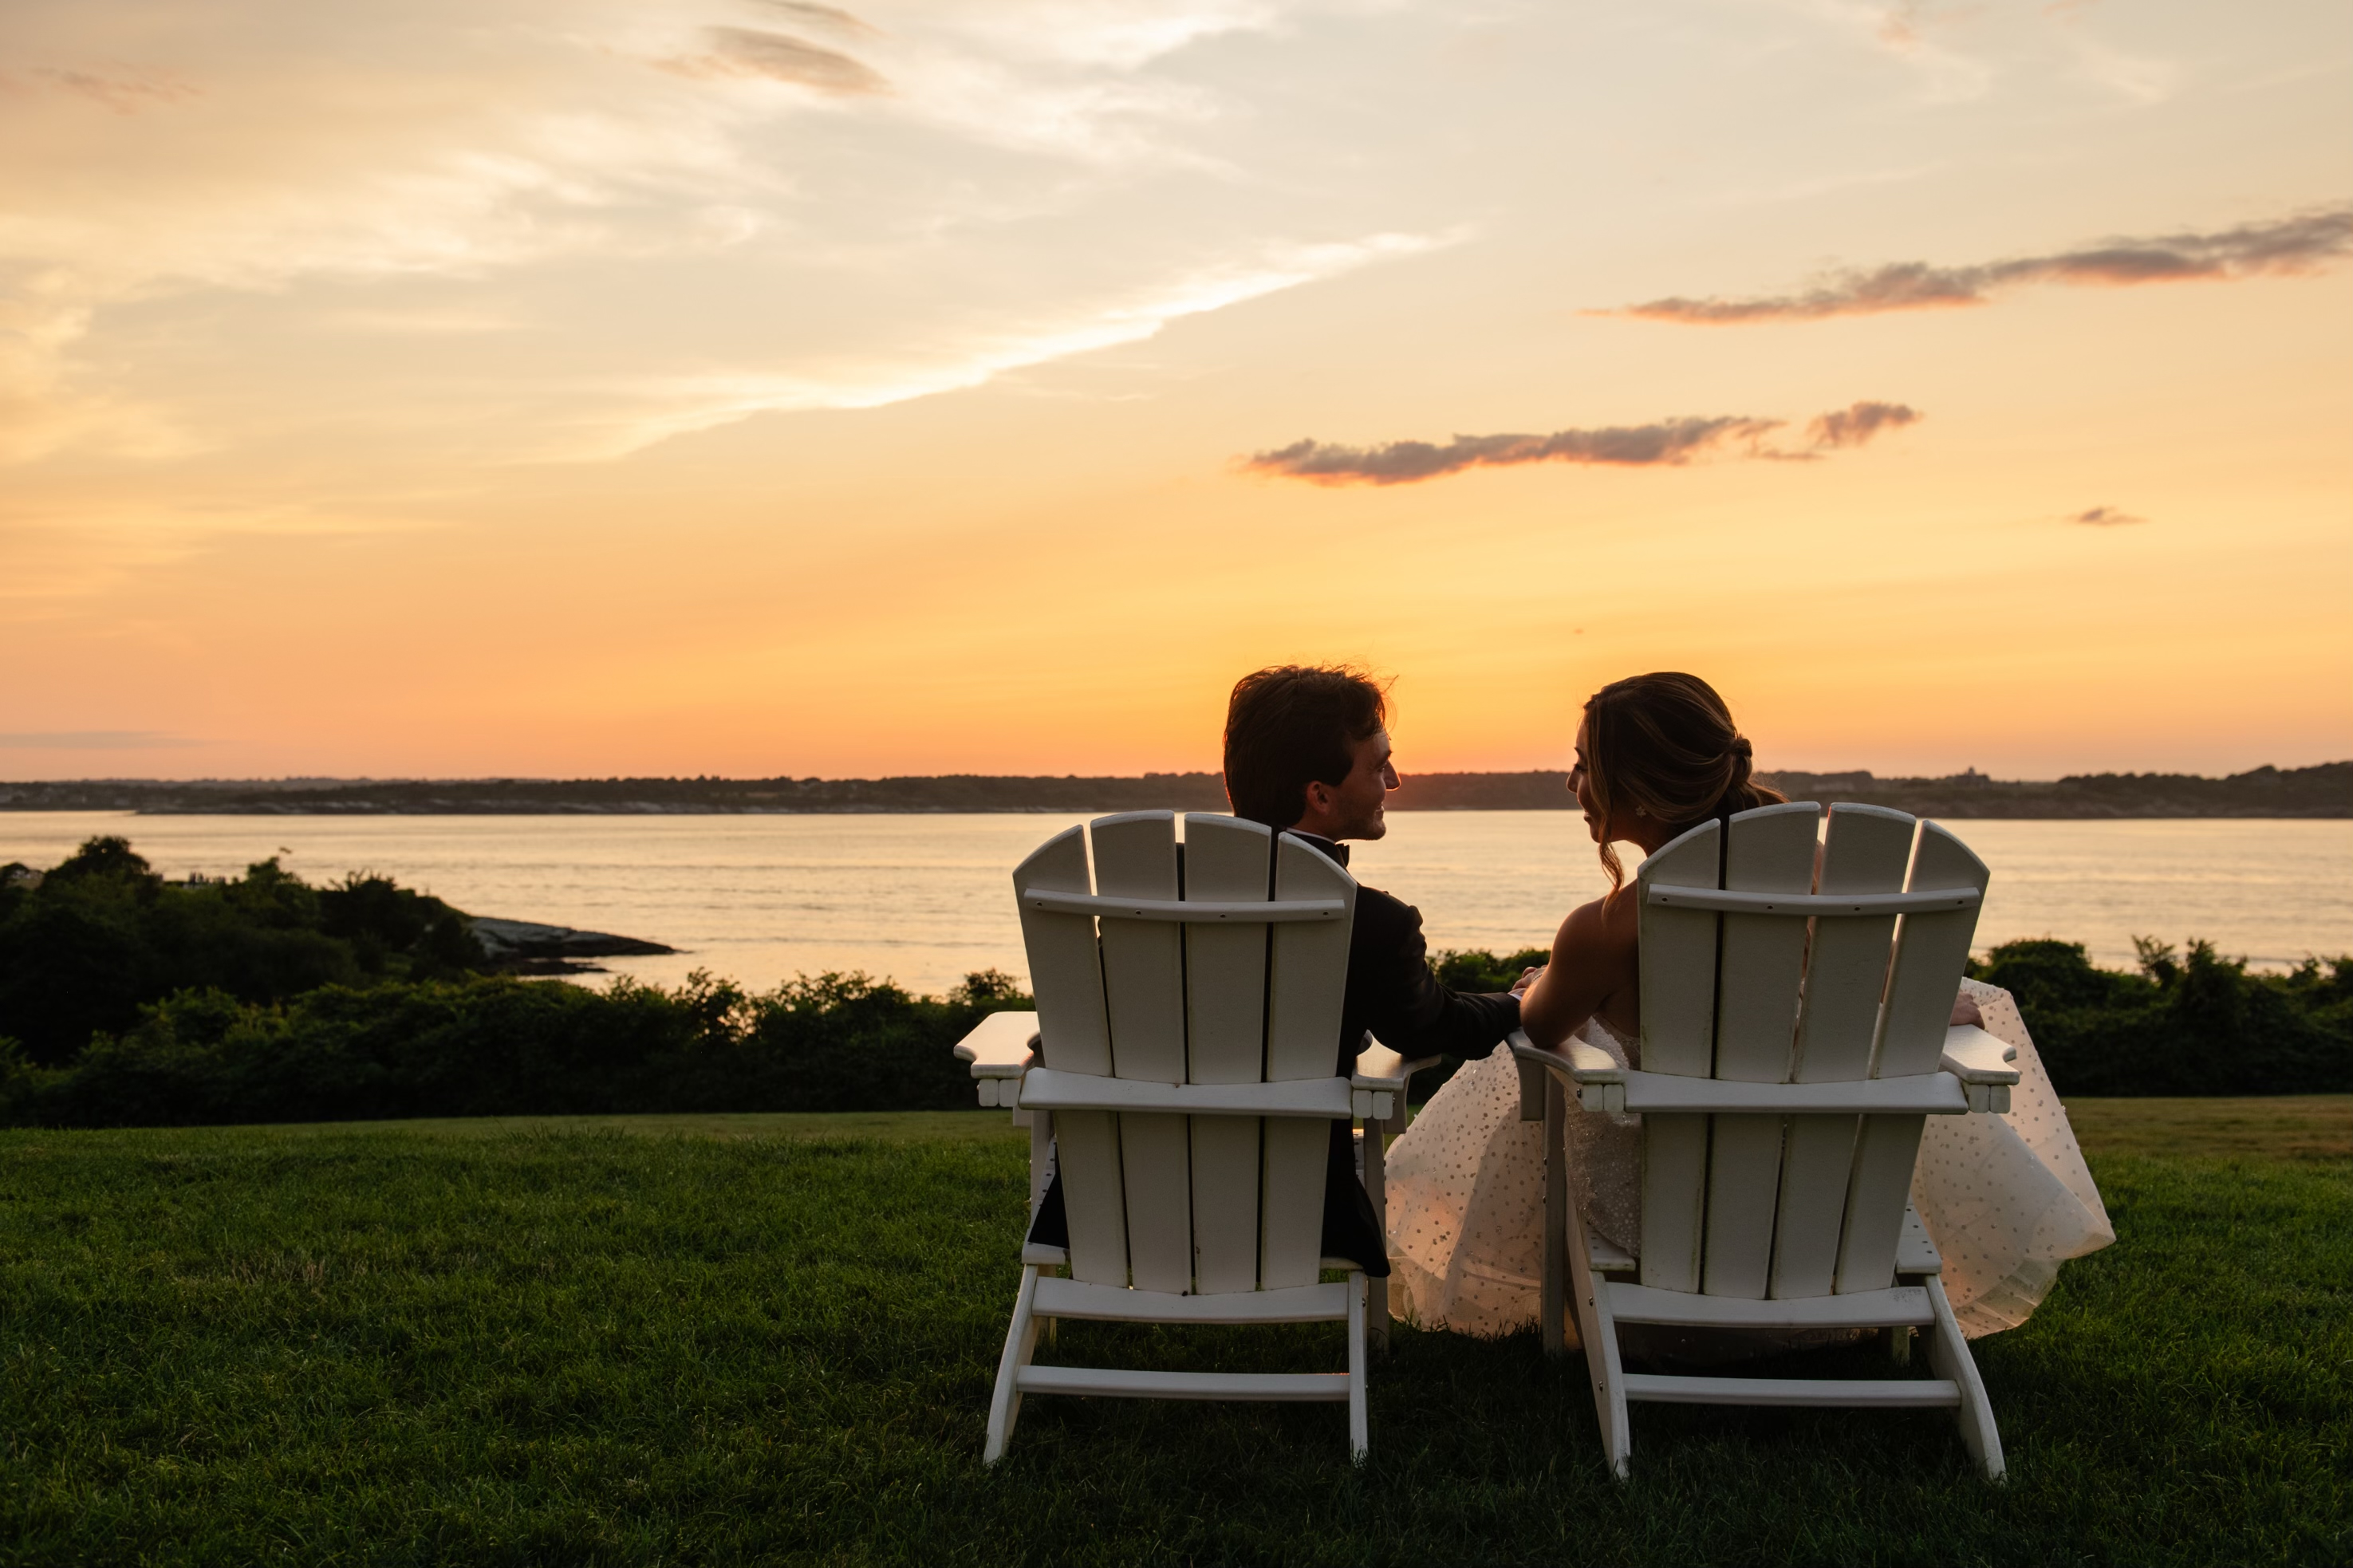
[(1669, 443), (2105, 517), (2300, 243), (1853, 426)]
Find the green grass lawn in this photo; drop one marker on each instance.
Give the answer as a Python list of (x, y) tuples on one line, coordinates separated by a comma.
[(744, 1338)]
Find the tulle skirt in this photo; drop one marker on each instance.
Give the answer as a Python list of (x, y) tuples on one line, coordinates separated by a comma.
[(2007, 1198)]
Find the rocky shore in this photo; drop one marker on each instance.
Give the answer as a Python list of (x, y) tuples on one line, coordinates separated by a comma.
[(526, 947)]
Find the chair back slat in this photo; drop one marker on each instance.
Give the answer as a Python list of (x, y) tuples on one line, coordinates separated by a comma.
[(1074, 1035), (1865, 849), (1309, 978), (1771, 850), (1306, 984), (1204, 1203), (1144, 988), (1094, 1195), (1225, 965), (1144, 961), (1229, 859), (1678, 989), (1677, 956), (1931, 952), (1759, 972), (1065, 965)]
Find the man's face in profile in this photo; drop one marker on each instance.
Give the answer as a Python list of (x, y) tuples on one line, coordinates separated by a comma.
[(1356, 806)]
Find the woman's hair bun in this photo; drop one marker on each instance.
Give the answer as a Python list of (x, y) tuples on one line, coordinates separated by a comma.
[(1663, 745)]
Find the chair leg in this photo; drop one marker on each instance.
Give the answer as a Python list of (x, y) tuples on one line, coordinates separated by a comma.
[(1042, 1173), (1020, 1343), (1359, 1437), (1948, 1354), (1552, 1315), (1377, 1307), (1041, 1155), (1597, 1325)]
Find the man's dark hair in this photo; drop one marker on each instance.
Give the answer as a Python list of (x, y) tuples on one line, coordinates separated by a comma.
[(1291, 723)]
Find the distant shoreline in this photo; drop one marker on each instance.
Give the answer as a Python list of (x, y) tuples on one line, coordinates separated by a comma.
[(2322, 792)]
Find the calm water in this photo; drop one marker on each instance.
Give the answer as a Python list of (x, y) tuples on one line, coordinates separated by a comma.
[(925, 900)]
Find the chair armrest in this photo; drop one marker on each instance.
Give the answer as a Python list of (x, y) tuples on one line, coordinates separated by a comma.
[(1381, 1068), (1980, 1062), (1579, 1063), (1377, 1087), (1319, 1098), (1974, 1057), (1000, 1045), (1597, 1076)]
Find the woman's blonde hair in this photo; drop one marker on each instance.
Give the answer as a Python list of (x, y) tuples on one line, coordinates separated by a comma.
[(1664, 745)]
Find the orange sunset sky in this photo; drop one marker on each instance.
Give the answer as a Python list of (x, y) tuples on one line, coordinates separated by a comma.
[(756, 387)]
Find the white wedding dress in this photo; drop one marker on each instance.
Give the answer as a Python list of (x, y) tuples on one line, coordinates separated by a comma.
[(2007, 1198)]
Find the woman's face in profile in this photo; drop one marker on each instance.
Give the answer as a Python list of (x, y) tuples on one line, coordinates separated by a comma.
[(1582, 783)]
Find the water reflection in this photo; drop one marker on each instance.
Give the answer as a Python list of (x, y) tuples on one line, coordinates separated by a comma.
[(927, 899)]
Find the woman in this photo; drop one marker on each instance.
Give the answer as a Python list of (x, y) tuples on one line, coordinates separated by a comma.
[(2006, 1197)]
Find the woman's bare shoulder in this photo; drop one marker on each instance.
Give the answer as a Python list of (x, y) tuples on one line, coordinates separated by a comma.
[(1606, 925)]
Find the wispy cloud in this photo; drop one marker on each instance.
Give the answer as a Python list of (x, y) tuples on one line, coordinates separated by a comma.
[(2105, 517), (829, 18), (91, 741), (679, 405), (1903, 31), (1668, 443), (124, 91), (2301, 243), (779, 57)]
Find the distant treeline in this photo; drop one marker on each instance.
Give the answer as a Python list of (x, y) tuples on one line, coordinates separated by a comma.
[(125, 1000), (2326, 790)]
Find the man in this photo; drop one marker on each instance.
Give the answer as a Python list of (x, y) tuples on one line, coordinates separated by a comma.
[(1307, 752)]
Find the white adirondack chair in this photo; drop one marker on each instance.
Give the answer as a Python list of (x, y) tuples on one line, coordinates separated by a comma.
[(1182, 1052), (1793, 1040)]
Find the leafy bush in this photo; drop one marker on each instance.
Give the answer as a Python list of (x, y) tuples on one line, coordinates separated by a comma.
[(1472, 970), (2194, 1023), (83, 948), (488, 1045)]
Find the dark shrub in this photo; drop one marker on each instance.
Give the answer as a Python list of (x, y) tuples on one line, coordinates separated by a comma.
[(488, 1046), (84, 947), (2196, 1024)]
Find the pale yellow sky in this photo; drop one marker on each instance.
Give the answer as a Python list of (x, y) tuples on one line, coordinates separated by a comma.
[(752, 387)]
